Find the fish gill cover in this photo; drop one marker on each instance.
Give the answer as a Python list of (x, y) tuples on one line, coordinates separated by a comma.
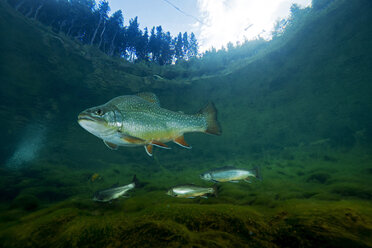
[(298, 107)]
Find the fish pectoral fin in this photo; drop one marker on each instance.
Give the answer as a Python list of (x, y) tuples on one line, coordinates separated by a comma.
[(125, 196), (148, 149), (203, 196), (234, 181), (159, 144), (181, 142), (110, 145), (132, 139)]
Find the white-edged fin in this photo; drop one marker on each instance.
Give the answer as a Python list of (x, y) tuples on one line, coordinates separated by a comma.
[(181, 142), (125, 196), (159, 144), (247, 181), (148, 149), (203, 196), (110, 145), (132, 140)]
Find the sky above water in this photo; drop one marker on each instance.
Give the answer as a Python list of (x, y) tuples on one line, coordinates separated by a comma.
[(214, 22)]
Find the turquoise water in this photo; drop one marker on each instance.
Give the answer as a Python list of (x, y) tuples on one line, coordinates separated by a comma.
[(299, 108)]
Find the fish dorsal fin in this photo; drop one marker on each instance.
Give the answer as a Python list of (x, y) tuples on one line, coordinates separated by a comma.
[(181, 142), (150, 97), (110, 145), (148, 149)]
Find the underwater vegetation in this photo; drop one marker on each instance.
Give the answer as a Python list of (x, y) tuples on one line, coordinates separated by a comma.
[(286, 210), (299, 110)]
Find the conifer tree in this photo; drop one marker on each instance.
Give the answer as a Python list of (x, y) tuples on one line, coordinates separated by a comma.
[(90, 24), (101, 12), (185, 47), (193, 46), (178, 47)]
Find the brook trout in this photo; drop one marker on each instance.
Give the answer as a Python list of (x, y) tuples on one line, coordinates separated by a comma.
[(138, 120)]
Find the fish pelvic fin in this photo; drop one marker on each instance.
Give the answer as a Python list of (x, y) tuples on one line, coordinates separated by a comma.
[(110, 145), (159, 144), (181, 142), (210, 114), (148, 149), (132, 140)]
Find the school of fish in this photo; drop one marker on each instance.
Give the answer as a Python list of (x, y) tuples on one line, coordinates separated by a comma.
[(138, 120)]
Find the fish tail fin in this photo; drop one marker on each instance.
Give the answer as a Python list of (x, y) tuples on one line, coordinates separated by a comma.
[(257, 172), (216, 187), (135, 181), (210, 113)]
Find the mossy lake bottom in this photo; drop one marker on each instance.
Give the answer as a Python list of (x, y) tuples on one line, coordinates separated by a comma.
[(309, 197)]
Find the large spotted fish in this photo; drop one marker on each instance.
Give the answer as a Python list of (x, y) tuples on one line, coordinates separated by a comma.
[(138, 120)]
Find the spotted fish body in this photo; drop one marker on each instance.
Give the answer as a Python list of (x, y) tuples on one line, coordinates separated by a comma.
[(138, 120), (190, 191)]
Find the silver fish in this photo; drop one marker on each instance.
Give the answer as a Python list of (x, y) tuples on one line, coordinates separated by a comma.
[(113, 193), (231, 174), (190, 191)]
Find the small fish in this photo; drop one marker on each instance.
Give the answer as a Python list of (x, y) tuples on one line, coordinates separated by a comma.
[(231, 174), (113, 193), (138, 120), (95, 177), (191, 191)]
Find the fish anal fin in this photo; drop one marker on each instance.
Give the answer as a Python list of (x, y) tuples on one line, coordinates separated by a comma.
[(159, 144), (110, 145), (148, 149), (180, 140)]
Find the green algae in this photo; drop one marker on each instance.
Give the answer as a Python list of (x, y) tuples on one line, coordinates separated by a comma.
[(298, 224), (283, 210)]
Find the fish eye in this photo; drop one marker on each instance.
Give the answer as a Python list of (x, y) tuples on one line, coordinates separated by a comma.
[(98, 112)]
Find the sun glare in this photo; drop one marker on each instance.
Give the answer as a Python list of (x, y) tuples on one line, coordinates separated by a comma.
[(238, 20)]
